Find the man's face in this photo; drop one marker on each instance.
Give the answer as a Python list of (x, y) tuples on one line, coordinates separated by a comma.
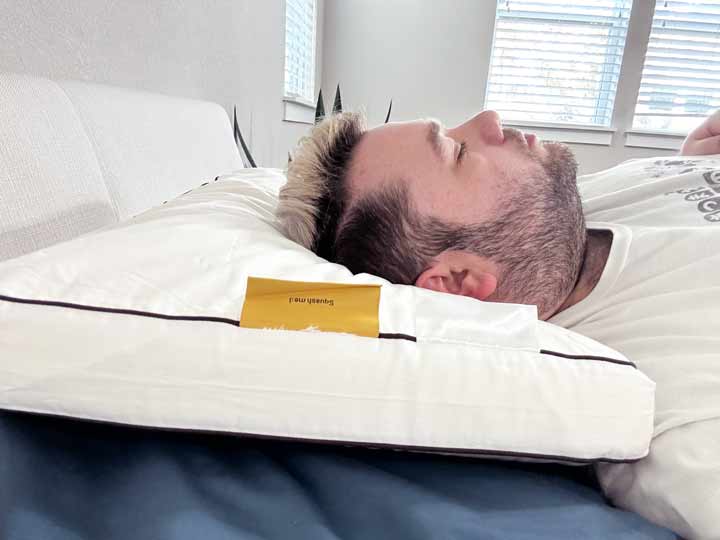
[(462, 175), (516, 195)]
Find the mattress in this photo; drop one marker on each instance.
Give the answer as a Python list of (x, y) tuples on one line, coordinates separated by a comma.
[(76, 480)]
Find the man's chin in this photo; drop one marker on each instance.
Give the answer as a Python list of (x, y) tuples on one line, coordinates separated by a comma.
[(559, 161)]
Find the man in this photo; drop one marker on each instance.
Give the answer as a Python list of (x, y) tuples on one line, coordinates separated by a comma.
[(438, 208), (495, 214)]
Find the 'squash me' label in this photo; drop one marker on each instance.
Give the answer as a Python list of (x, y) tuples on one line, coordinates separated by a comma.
[(299, 305)]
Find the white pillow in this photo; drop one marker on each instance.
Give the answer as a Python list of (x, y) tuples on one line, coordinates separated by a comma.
[(138, 324)]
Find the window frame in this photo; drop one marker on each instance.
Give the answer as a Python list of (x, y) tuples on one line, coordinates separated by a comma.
[(295, 108), (607, 70), (628, 88), (649, 130)]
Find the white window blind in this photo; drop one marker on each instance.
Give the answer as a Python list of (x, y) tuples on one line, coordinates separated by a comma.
[(300, 49), (555, 61), (681, 76)]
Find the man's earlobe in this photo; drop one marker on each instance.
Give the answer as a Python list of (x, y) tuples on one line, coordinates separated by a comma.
[(475, 283)]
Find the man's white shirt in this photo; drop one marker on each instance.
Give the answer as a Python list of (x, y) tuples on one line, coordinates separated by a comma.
[(658, 302)]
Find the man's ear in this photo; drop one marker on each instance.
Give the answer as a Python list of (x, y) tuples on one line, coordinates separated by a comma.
[(460, 273)]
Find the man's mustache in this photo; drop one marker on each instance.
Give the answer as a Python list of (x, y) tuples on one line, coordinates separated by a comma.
[(514, 135)]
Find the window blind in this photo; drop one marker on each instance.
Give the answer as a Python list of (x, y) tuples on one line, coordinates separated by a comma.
[(681, 76), (555, 61), (300, 49)]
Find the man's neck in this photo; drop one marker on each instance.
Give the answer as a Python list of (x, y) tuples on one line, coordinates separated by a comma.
[(597, 251)]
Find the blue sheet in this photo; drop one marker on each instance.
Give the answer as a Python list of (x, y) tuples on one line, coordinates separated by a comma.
[(68, 480)]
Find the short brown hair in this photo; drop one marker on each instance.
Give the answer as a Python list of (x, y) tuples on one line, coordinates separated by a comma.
[(373, 235)]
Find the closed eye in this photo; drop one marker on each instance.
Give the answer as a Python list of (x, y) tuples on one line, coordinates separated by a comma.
[(461, 153)]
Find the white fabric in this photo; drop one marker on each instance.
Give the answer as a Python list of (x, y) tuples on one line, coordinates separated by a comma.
[(75, 157), (658, 302), (51, 187), (475, 380), (151, 147)]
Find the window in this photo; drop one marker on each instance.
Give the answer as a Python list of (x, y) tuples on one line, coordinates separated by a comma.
[(300, 50), (557, 62), (681, 76)]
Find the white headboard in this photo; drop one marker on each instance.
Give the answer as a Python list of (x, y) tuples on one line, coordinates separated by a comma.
[(75, 156)]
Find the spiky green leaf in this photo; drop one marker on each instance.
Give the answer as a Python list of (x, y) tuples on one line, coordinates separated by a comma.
[(387, 117), (319, 108), (245, 154), (337, 104)]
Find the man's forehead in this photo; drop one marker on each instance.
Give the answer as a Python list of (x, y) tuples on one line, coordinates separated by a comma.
[(395, 150), (394, 128), (420, 126)]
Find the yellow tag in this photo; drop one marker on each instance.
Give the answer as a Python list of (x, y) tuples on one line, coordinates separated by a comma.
[(298, 305)]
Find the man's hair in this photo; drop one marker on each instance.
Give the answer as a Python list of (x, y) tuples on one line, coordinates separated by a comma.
[(383, 234), (312, 202), (375, 234)]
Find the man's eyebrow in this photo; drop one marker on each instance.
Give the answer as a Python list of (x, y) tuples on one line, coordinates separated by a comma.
[(433, 137)]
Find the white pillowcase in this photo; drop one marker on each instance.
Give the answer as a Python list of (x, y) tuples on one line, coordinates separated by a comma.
[(137, 324)]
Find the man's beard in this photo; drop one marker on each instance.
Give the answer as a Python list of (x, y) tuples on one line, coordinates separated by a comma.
[(560, 165), (538, 239)]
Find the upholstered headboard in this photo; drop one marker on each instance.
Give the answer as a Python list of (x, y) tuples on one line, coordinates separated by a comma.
[(75, 156)]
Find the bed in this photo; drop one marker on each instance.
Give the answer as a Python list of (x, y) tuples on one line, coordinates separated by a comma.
[(76, 157)]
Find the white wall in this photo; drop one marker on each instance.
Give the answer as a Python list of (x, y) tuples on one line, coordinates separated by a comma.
[(227, 51), (420, 53), (432, 58)]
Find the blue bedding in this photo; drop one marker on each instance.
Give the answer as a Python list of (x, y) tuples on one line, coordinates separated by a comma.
[(68, 480)]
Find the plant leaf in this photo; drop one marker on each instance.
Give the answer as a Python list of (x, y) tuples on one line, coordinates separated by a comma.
[(387, 118), (240, 143), (337, 105), (319, 108)]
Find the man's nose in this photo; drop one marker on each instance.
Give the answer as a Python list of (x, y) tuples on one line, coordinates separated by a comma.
[(484, 126)]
